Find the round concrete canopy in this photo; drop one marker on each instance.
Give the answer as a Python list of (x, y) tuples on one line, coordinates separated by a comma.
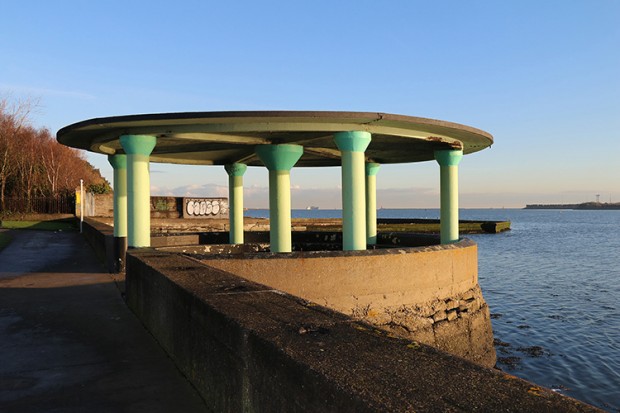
[(220, 138)]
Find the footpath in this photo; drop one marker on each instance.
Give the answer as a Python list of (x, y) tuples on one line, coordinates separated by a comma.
[(68, 342)]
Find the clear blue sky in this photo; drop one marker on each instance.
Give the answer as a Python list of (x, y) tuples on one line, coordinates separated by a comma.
[(542, 76)]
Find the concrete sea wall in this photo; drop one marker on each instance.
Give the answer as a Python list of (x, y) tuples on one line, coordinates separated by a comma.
[(428, 294), (249, 347)]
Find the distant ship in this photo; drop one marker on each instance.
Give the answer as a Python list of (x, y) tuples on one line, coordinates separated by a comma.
[(312, 208)]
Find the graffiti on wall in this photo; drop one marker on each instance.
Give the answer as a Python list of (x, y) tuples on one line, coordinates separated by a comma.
[(205, 208)]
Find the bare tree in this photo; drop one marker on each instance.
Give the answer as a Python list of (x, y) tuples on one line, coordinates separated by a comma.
[(12, 119), (33, 163)]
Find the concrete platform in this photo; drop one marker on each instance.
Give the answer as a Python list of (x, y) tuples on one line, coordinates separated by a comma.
[(68, 342)]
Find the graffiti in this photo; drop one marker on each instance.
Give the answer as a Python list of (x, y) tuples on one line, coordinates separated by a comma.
[(205, 208), (161, 204)]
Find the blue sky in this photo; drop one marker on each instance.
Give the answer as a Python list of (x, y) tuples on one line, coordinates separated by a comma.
[(541, 76)]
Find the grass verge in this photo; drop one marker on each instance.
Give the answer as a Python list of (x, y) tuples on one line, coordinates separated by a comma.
[(53, 225)]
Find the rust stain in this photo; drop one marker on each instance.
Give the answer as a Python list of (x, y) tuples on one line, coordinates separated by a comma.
[(451, 143)]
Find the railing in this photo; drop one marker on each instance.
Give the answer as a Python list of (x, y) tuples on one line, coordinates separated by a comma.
[(63, 204)]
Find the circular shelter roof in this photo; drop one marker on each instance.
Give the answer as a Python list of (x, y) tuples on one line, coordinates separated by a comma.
[(219, 138)]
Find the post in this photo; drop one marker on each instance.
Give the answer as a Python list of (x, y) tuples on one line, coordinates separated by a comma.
[(279, 159), (81, 204), (138, 149), (352, 146), (235, 201), (371, 202), (449, 194)]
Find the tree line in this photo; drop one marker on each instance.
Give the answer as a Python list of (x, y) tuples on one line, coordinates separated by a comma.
[(33, 164)]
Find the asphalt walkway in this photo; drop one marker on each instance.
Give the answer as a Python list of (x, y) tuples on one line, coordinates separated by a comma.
[(68, 342)]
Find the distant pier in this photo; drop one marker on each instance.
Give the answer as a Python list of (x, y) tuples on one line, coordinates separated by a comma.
[(582, 206)]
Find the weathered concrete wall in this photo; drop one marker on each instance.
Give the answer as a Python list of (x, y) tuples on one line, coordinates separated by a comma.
[(247, 347), (429, 294), (162, 207), (101, 238), (104, 205)]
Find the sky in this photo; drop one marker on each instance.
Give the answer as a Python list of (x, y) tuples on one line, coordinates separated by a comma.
[(543, 77)]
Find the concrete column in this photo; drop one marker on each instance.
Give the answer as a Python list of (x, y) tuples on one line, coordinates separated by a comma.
[(352, 146), (119, 163), (235, 200), (371, 202), (138, 149), (279, 159), (449, 182)]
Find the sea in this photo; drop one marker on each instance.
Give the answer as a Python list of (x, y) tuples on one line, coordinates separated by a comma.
[(552, 284)]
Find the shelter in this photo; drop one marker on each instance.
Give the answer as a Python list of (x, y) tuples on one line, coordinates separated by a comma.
[(279, 140)]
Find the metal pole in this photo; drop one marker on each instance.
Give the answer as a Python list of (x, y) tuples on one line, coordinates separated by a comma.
[(81, 203)]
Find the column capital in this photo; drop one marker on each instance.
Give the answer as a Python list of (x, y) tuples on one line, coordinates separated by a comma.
[(352, 141), (235, 169), (118, 161), (138, 144), (279, 157), (372, 168), (448, 157)]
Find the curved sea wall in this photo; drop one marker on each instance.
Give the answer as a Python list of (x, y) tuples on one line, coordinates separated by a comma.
[(428, 294), (248, 347)]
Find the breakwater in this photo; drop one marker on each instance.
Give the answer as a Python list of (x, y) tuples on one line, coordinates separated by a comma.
[(596, 206)]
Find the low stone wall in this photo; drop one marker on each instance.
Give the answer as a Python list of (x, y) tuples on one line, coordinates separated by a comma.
[(248, 347), (428, 294)]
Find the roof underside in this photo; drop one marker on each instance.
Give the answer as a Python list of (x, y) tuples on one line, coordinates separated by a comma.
[(219, 138)]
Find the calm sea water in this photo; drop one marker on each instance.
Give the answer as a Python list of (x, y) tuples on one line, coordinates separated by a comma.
[(553, 286)]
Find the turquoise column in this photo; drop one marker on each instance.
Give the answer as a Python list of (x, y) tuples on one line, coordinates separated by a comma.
[(119, 164), (371, 202), (235, 200), (138, 149), (449, 192), (352, 146), (279, 159)]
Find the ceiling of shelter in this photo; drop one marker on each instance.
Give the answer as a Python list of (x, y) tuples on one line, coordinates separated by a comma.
[(219, 138)]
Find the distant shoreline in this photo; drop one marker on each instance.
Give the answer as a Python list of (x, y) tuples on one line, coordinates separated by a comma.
[(582, 206)]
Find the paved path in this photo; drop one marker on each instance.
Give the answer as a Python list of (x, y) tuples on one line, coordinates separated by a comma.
[(68, 342)]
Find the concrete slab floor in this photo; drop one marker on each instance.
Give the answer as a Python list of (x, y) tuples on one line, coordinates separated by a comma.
[(68, 342)]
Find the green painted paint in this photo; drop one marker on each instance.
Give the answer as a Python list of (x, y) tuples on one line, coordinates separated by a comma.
[(371, 202), (449, 157), (119, 163), (354, 141), (138, 149), (236, 169), (449, 186), (372, 168), (235, 201), (352, 146), (279, 159)]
